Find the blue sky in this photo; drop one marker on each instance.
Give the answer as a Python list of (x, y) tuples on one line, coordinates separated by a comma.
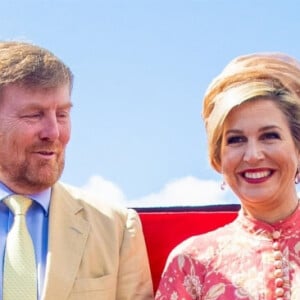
[(141, 69)]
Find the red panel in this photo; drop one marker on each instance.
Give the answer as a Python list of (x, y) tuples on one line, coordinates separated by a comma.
[(164, 230)]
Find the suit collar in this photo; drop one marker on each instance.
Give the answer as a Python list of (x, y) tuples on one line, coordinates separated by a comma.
[(68, 233)]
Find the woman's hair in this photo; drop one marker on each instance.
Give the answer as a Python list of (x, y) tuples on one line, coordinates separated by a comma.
[(274, 76)]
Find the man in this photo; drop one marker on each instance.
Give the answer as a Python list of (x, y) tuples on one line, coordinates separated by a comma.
[(83, 247)]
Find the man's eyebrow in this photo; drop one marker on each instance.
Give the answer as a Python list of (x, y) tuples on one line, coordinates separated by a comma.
[(39, 105)]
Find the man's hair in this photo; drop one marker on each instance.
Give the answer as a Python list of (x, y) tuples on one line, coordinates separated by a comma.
[(31, 66)]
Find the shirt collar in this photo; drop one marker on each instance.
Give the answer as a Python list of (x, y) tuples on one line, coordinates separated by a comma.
[(42, 198)]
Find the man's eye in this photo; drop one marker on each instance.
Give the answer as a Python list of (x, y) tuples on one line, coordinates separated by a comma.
[(235, 139), (63, 114), (32, 116)]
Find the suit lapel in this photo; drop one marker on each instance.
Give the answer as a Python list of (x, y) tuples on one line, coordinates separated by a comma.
[(68, 233)]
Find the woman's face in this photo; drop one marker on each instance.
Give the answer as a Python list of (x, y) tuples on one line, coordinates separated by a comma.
[(259, 158)]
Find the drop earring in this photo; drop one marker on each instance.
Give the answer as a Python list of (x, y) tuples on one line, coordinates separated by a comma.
[(223, 185), (297, 177)]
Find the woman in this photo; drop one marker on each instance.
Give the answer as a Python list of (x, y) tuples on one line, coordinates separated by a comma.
[(252, 117)]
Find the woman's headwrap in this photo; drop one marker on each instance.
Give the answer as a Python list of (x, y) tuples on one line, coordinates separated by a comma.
[(278, 69)]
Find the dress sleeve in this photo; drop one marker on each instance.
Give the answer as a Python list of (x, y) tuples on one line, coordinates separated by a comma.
[(181, 279), (134, 278)]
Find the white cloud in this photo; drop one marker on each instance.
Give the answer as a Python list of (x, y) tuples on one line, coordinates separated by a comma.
[(186, 191), (105, 189)]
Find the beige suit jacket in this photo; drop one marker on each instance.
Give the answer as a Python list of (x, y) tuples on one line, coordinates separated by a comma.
[(95, 251)]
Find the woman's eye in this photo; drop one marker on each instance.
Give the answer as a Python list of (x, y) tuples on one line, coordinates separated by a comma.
[(270, 136), (235, 139)]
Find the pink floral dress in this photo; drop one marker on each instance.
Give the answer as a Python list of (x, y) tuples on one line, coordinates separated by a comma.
[(246, 259)]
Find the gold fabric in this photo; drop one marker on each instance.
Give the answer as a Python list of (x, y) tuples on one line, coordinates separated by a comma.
[(19, 277)]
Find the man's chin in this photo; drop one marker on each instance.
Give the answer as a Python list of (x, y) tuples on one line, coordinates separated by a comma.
[(44, 179), (42, 183)]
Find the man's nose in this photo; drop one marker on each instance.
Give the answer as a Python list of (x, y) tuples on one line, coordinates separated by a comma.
[(50, 128)]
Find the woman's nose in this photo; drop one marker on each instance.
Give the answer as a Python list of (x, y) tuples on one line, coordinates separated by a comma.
[(253, 152)]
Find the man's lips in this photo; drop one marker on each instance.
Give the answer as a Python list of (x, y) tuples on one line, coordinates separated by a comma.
[(45, 152)]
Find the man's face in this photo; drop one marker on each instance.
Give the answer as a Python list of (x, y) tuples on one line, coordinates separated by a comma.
[(35, 128)]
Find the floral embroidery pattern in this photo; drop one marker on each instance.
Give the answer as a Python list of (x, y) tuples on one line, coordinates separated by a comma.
[(243, 260), (192, 286)]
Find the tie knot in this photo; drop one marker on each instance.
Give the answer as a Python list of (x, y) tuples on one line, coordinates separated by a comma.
[(18, 204)]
